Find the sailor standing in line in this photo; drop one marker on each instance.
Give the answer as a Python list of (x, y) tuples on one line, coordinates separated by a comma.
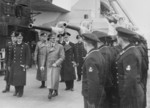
[(128, 71), (94, 76), (9, 48)]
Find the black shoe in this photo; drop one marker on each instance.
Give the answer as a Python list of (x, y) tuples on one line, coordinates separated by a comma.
[(20, 95), (67, 89), (6, 90), (49, 95), (15, 94), (42, 86), (55, 93), (72, 89)]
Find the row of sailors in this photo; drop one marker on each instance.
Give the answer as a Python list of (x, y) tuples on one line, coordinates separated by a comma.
[(113, 76), (47, 53)]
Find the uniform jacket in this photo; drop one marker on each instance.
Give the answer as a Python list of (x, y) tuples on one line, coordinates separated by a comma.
[(9, 48), (94, 78), (55, 54), (39, 57), (20, 56), (128, 65), (79, 53), (109, 58), (144, 66), (67, 66), (40, 53)]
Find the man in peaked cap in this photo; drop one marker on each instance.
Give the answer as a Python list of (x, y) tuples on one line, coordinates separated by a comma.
[(79, 56), (9, 48), (109, 56), (128, 71), (68, 71), (93, 73), (20, 62)]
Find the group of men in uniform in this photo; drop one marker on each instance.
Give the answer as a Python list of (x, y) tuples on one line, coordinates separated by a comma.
[(115, 76), (17, 61), (74, 54)]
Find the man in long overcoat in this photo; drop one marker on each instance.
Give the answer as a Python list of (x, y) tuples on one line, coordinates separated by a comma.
[(54, 58), (20, 61), (79, 56), (9, 48), (39, 55), (68, 63)]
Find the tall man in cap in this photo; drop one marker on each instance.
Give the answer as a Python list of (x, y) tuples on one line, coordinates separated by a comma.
[(39, 55), (109, 56), (20, 62), (69, 63), (128, 66), (54, 58), (9, 48), (93, 74), (79, 56)]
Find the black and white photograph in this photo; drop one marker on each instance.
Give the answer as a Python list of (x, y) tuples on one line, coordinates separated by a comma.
[(74, 53)]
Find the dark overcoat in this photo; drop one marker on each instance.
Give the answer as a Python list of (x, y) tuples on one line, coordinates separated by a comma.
[(39, 57), (144, 68), (128, 65), (108, 56), (8, 51), (67, 65), (20, 56), (79, 56), (94, 78)]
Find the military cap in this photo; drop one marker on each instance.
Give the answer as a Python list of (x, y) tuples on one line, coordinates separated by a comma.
[(16, 33), (78, 36), (60, 35), (123, 32), (66, 33), (90, 36), (100, 34)]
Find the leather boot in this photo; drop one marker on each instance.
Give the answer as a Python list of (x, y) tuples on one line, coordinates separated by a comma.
[(16, 91), (55, 93), (43, 84), (20, 94), (50, 93), (6, 89)]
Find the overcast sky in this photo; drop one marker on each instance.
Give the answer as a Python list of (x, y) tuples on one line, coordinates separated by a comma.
[(139, 10)]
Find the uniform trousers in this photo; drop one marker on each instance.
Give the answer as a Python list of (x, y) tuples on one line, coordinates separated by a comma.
[(69, 84), (79, 72), (19, 89)]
